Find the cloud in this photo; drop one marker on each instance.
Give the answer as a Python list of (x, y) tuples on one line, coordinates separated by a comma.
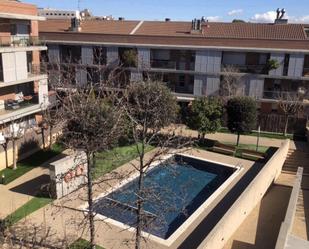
[(267, 17), (235, 12), (213, 18), (302, 19), (270, 16)]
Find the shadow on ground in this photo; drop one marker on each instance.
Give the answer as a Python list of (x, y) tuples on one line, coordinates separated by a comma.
[(33, 186), (271, 214)]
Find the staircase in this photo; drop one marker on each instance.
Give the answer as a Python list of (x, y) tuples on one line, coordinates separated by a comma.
[(296, 158)]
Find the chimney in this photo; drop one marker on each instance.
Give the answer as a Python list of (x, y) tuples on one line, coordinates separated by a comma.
[(196, 26), (75, 25), (279, 17)]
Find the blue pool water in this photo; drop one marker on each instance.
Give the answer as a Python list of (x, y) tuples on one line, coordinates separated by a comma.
[(173, 191)]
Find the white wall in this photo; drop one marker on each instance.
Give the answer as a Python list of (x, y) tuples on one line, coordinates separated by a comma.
[(14, 66)]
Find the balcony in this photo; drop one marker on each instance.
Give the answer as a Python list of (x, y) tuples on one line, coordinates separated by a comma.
[(34, 72), (14, 109), (284, 95), (174, 65), (20, 41), (254, 69)]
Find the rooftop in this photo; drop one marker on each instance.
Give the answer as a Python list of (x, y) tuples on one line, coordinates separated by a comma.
[(183, 29), (240, 36)]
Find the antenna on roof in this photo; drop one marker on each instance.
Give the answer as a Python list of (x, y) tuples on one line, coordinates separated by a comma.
[(78, 4)]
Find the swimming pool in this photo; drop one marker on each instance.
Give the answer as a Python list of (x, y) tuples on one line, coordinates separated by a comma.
[(174, 190)]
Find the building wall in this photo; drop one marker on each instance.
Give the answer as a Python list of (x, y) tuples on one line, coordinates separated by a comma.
[(7, 6), (296, 65)]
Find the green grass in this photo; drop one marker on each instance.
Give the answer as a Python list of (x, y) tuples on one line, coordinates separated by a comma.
[(109, 160), (82, 244), (252, 147), (262, 134), (34, 204), (35, 160)]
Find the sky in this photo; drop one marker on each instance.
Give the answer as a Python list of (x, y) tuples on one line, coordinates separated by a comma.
[(186, 10)]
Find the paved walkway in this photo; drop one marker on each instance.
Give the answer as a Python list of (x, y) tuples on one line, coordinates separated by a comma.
[(20, 191), (261, 228), (244, 139)]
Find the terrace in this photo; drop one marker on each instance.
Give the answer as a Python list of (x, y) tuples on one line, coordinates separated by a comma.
[(285, 89), (255, 63), (172, 59)]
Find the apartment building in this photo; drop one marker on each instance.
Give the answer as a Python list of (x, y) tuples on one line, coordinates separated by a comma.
[(23, 86), (193, 58)]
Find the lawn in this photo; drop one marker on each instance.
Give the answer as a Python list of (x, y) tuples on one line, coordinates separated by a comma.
[(109, 160), (35, 160), (208, 145), (34, 204), (82, 244)]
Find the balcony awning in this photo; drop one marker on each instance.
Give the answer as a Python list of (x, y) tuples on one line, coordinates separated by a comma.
[(21, 17)]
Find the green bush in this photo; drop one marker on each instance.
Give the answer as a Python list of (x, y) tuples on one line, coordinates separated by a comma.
[(242, 115)]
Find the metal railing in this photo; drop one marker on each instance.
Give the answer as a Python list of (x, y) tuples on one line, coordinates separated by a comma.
[(175, 65), (282, 95), (20, 41), (255, 69)]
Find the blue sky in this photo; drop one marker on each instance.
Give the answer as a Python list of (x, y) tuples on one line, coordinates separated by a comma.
[(222, 10)]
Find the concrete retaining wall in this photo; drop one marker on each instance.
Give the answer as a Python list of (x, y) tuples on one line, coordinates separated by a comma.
[(287, 225), (247, 201)]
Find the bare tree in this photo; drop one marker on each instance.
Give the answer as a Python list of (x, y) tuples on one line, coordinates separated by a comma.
[(290, 103), (149, 107), (232, 83)]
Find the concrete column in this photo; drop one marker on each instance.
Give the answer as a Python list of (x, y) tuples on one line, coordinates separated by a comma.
[(213, 86), (199, 85), (208, 61), (112, 55), (43, 93), (143, 58), (256, 88), (296, 65), (53, 54), (87, 55)]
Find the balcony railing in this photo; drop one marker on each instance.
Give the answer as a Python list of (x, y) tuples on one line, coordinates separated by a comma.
[(284, 95), (254, 69), (20, 102), (175, 65), (185, 89), (19, 41), (34, 70)]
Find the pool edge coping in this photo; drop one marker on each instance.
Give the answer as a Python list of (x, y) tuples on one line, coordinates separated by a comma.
[(188, 222)]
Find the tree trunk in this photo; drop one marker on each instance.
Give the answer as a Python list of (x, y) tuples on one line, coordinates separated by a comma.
[(286, 125), (14, 154), (50, 137), (90, 164), (139, 218), (43, 137), (5, 148), (238, 137)]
